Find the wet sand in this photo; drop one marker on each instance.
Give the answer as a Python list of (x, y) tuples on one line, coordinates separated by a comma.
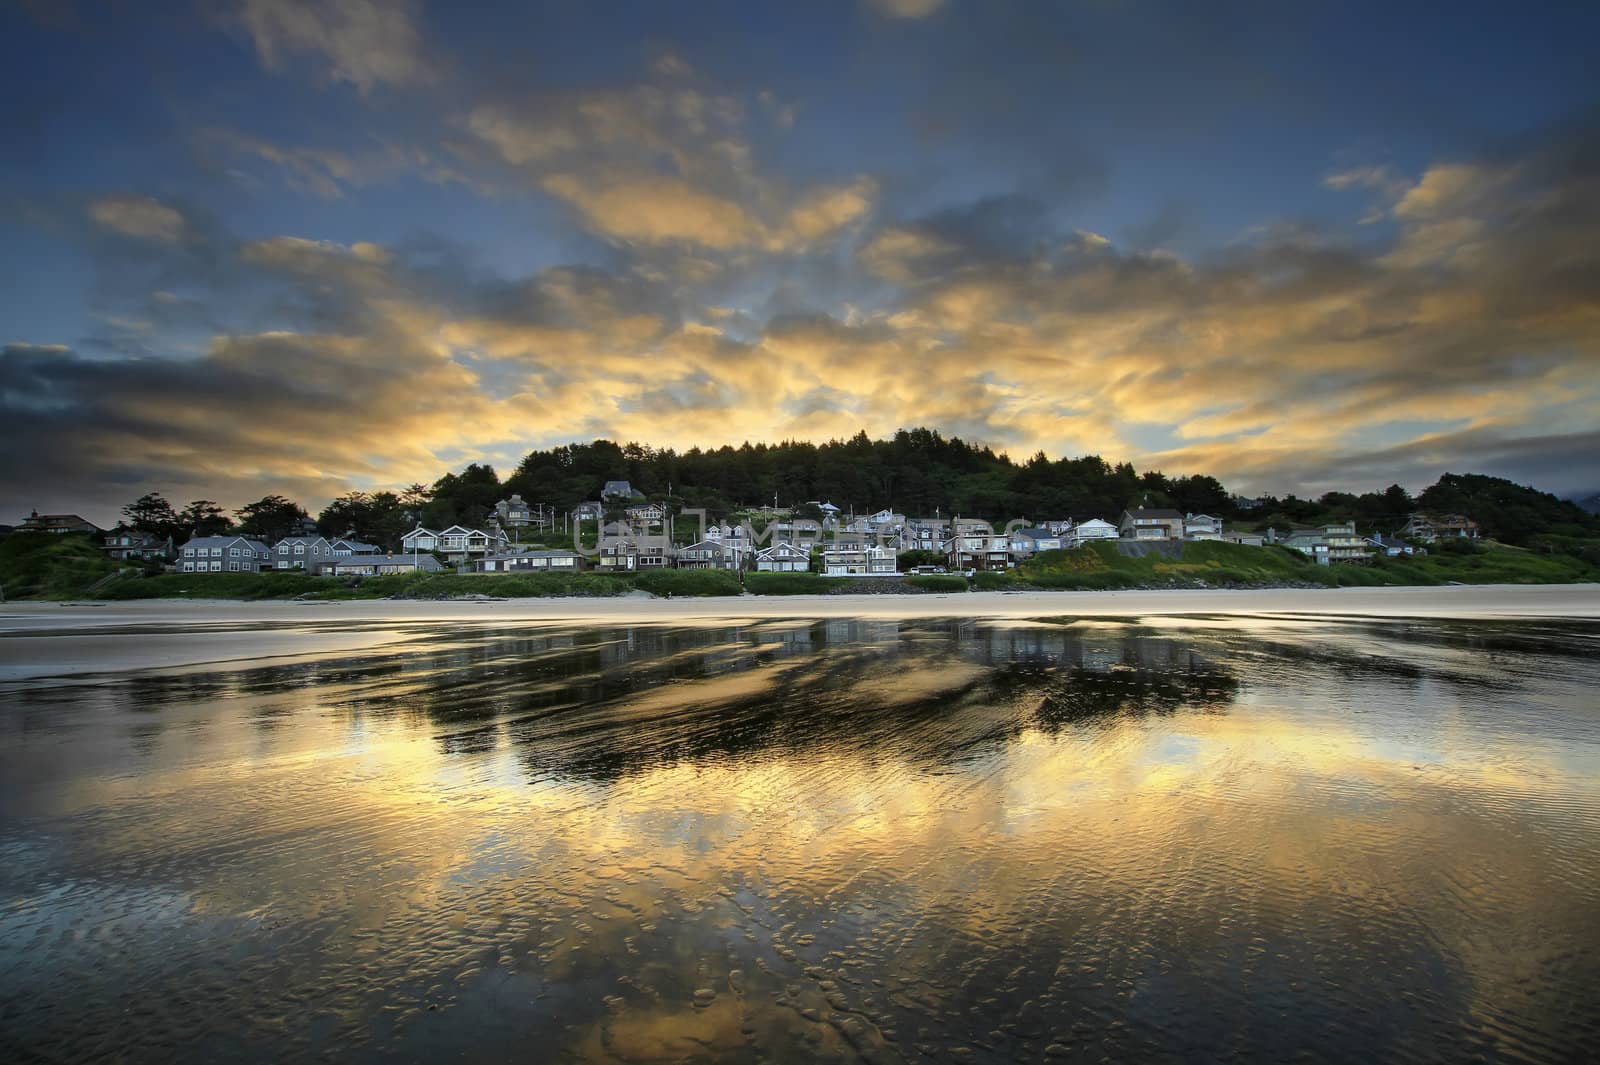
[(59, 639)]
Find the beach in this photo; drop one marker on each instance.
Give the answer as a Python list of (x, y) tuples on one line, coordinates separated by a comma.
[(39, 639)]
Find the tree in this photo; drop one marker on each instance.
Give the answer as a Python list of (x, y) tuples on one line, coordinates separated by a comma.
[(204, 517), (151, 513), (270, 518)]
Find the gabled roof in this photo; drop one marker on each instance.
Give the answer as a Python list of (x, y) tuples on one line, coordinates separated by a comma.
[(225, 541), (1153, 512)]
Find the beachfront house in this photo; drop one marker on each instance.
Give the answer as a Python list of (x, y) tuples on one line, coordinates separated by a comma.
[(1150, 523), (224, 554), (1088, 531), (858, 561), (1201, 527), (458, 543), (375, 564), (131, 545), (1026, 543), (1328, 544), (783, 557), (707, 554), (558, 560), (977, 550)]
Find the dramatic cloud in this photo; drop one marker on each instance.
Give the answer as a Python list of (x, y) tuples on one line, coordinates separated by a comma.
[(975, 222), (364, 42)]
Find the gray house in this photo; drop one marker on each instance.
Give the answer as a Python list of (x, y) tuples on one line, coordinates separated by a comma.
[(224, 554)]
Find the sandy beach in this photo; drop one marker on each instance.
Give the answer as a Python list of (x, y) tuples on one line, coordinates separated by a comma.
[(61, 639), (1460, 601)]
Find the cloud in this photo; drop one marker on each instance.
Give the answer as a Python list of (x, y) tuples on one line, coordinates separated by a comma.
[(138, 216), (365, 43), (655, 210), (665, 164)]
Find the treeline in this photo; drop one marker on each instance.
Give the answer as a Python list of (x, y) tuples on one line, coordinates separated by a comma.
[(918, 472)]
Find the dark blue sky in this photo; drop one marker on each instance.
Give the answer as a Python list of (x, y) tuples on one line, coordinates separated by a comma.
[(1298, 246)]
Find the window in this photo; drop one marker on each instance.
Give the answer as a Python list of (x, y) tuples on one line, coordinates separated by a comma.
[(299, 549)]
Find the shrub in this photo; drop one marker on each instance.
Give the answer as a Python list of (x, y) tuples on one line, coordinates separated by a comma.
[(938, 582), (791, 583), (689, 582)]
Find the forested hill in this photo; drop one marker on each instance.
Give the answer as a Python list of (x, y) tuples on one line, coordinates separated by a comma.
[(918, 472)]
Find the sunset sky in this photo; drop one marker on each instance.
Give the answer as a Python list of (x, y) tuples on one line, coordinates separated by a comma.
[(303, 246)]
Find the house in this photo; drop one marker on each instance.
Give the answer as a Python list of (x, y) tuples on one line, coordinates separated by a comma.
[(1430, 528), (783, 557), (1150, 523), (626, 554), (373, 564), (560, 560), (1201, 527), (861, 561), (1243, 539), (1338, 542), (224, 554), (647, 514), (59, 524), (124, 544), (513, 512), (924, 534), (1093, 529), (976, 550), (616, 490), (708, 554), (1026, 542), (310, 552), (1391, 546), (457, 542), (588, 512)]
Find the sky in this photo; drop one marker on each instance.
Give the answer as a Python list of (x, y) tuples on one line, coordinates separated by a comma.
[(310, 246)]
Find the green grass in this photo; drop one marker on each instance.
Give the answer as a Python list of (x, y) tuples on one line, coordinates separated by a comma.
[(284, 584), (791, 583), (52, 566), (681, 582), (938, 582), (1217, 564)]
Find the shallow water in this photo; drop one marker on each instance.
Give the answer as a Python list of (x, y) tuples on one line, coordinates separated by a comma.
[(1188, 839)]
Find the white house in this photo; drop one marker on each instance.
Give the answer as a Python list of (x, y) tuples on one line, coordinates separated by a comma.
[(865, 561), (461, 542), (1087, 531), (1201, 527), (224, 554), (783, 558)]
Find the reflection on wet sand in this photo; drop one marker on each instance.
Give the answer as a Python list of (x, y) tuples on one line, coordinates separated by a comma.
[(838, 840)]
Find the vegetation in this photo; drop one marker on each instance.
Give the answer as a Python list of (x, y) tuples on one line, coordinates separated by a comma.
[(51, 566), (792, 583), (682, 582), (938, 582), (1215, 564)]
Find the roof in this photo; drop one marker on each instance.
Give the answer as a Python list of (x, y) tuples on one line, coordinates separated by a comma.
[(58, 521), (224, 541), (616, 488), (1038, 534), (427, 562), (1154, 512)]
